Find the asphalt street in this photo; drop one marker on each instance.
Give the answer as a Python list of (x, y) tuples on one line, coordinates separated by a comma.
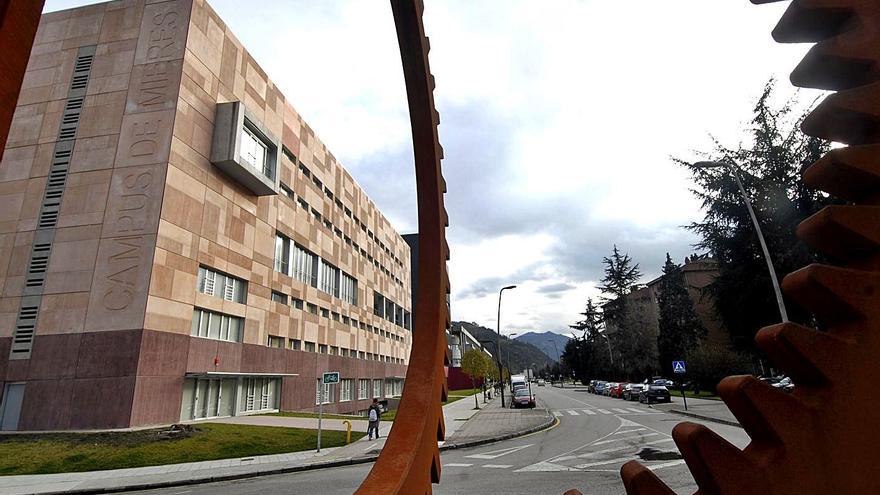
[(594, 437)]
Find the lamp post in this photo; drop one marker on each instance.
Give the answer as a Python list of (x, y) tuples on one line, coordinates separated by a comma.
[(608, 341), (498, 341), (732, 168), (558, 363)]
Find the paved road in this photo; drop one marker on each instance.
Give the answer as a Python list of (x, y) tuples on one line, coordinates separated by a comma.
[(595, 436)]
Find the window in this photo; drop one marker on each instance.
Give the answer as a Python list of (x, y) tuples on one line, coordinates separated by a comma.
[(305, 266), (310, 347), (325, 312), (287, 191), (303, 204), (328, 390), (297, 303), (322, 348), (214, 283), (304, 170), (345, 390), (348, 288), (328, 278), (389, 388), (282, 254), (288, 154), (217, 326), (361, 354), (279, 297), (407, 320), (313, 309), (377, 388), (276, 342), (254, 151), (378, 304), (363, 388), (335, 316), (295, 344), (389, 310), (334, 351)]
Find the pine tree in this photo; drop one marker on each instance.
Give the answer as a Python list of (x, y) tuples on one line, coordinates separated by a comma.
[(771, 160), (680, 329), (620, 275)]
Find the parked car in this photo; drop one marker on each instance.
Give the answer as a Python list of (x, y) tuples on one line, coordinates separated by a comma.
[(541, 382), (608, 388), (618, 390), (599, 388), (663, 381), (591, 387), (631, 392), (522, 398), (654, 393), (781, 382)]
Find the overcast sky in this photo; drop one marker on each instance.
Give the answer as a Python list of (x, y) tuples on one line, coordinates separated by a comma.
[(558, 123)]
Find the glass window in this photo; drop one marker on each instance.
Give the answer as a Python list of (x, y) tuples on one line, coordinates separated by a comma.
[(363, 388), (279, 297), (377, 388), (254, 151), (345, 390), (217, 326), (297, 303), (295, 344), (322, 348), (277, 342), (217, 284), (310, 347)]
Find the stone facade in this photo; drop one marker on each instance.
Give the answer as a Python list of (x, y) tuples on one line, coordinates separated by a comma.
[(142, 208)]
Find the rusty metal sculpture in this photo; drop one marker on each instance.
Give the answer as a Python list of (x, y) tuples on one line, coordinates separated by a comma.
[(816, 440), (410, 461), (18, 27)]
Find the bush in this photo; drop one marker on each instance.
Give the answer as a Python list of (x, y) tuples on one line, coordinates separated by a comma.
[(709, 363)]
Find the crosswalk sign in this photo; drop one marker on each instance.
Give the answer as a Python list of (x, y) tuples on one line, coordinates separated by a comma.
[(678, 367)]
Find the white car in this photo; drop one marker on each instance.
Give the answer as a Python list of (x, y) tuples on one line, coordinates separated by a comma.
[(541, 382)]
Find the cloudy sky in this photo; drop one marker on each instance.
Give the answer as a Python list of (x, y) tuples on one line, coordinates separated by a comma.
[(557, 122)]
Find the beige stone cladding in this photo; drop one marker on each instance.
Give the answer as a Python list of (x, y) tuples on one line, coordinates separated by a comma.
[(210, 220)]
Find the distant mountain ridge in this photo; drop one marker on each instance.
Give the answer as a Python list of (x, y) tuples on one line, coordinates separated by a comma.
[(540, 340), (522, 355)]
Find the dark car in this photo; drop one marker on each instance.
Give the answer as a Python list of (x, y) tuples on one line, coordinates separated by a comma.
[(591, 387), (631, 392), (599, 388), (654, 393), (522, 398)]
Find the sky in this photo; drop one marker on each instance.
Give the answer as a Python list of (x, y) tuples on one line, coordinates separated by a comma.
[(558, 125)]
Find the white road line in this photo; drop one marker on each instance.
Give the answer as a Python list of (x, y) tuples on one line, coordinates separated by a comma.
[(625, 438), (623, 411), (602, 463), (665, 465), (498, 466), (457, 464), (603, 411), (557, 413), (635, 410), (371, 446), (573, 413), (587, 411), (628, 431), (494, 454)]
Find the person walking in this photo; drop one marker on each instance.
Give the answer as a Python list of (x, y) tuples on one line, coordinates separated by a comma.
[(373, 415)]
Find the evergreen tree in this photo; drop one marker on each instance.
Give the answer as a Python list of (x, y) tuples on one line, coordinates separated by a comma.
[(770, 162), (680, 330), (620, 275), (587, 354)]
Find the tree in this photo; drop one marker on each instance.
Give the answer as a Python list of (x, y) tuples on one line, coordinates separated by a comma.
[(630, 329), (587, 354), (771, 160), (474, 365), (680, 329)]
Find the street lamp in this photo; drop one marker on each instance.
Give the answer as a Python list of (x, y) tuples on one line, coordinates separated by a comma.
[(498, 341), (608, 341), (733, 169), (558, 363)]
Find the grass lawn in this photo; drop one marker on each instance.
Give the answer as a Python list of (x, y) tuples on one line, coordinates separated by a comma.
[(455, 395), (70, 452), (691, 395)]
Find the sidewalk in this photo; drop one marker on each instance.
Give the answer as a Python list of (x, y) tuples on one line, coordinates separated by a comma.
[(464, 426), (709, 410)]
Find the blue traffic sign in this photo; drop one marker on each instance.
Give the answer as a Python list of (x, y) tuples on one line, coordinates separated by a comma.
[(678, 367)]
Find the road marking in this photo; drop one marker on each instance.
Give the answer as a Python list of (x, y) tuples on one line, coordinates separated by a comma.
[(623, 411), (626, 438), (603, 411), (457, 464), (602, 463), (573, 413), (635, 410), (557, 413), (618, 432), (494, 454), (371, 446), (498, 466), (544, 466), (587, 411), (665, 465)]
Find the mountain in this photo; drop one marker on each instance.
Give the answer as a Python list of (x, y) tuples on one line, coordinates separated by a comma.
[(540, 340), (522, 355)]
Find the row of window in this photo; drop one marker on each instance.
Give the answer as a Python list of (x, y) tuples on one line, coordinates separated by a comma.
[(295, 261), (391, 311), (336, 201), (332, 350), (367, 389), (216, 326), (297, 303)]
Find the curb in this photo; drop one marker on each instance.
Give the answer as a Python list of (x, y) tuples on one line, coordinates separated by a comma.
[(705, 418), (351, 461)]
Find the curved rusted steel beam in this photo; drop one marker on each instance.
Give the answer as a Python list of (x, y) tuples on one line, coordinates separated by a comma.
[(816, 440), (18, 27), (410, 460)]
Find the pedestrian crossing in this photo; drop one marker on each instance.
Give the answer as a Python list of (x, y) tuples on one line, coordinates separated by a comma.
[(612, 410)]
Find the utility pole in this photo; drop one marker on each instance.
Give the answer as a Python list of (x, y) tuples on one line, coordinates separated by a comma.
[(498, 342)]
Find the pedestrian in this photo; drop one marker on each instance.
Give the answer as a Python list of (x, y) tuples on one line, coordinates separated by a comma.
[(373, 414)]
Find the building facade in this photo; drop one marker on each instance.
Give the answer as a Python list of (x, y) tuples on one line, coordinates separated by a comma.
[(175, 241)]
